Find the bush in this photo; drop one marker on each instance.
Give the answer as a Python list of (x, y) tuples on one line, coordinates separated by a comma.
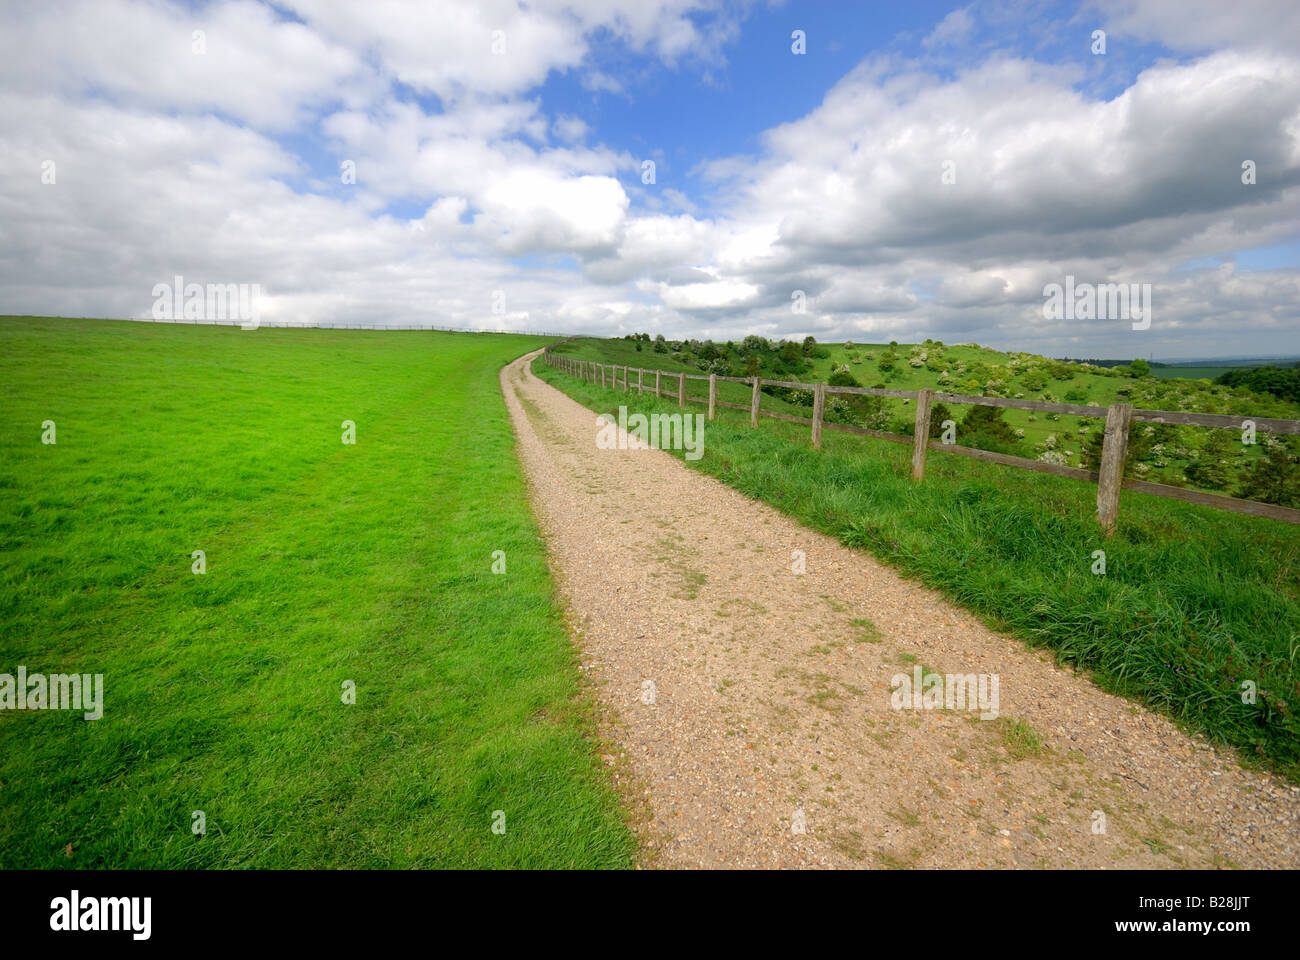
[(985, 427), (939, 412), (865, 411), (1215, 467), (1282, 382), (1275, 477)]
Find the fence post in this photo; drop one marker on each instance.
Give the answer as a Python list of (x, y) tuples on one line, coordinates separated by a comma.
[(921, 436), (713, 394), (640, 388), (1110, 477), (625, 386), (657, 383), (681, 389), (753, 403), (819, 408)]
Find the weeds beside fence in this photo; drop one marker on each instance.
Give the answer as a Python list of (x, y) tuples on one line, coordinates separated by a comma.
[(1109, 477)]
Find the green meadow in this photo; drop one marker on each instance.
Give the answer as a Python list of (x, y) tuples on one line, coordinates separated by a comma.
[(1196, 609), (330, 567)]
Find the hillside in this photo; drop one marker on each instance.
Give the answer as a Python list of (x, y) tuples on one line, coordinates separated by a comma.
[(1212, 460)]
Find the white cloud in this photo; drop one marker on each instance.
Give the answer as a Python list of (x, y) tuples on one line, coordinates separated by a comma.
[(174, 162), (952, 30), (253, 67), (1203, 25)]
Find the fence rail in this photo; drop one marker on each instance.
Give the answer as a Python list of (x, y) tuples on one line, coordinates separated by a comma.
[(1109, 477)]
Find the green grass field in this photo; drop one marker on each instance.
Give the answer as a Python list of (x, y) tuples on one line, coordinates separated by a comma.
[(326, 563), (1189, 373), (1194, 601)]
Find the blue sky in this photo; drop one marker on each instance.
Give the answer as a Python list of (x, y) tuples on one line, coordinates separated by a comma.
[(924, 169)]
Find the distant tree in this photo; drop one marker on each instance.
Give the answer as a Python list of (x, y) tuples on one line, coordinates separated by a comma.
[(791, 356), (984, 427), (866, 411), (1215, 467), (809, 346), (1034, 380), (1139, 368), (1275, 477), (939, 412), (661, 345), (1282, 382)]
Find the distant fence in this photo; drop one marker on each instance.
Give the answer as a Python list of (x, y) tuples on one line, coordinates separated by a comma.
[(1109, 478)]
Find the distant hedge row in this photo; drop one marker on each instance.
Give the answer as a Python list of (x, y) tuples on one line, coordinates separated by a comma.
[(1283, 382)]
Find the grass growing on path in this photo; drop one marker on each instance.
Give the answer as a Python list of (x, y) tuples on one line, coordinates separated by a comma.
[(326, 563), (1194, 603)]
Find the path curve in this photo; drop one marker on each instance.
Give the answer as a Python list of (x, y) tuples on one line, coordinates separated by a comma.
[(743, 701)]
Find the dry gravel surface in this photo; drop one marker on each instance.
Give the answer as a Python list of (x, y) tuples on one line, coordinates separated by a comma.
[(746, 708)]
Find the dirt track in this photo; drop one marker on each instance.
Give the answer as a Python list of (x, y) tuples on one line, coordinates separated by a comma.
[(744, 700)]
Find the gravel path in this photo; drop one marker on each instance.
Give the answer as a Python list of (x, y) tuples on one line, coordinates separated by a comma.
[(747, 709)]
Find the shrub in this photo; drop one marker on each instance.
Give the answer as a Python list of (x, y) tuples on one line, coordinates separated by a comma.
[(1215, 466), (986, 428), (1275, 477)]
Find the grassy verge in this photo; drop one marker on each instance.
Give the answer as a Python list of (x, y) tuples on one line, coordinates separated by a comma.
[(326, 562), (1194, 602)]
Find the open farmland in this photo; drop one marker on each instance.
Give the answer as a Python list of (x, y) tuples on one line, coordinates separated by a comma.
[(327, 565)]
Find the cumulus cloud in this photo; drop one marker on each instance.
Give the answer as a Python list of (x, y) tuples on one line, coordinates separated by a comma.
[(910, 202)]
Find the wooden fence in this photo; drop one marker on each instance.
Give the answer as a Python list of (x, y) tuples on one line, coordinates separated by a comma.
[(1109, 478)]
